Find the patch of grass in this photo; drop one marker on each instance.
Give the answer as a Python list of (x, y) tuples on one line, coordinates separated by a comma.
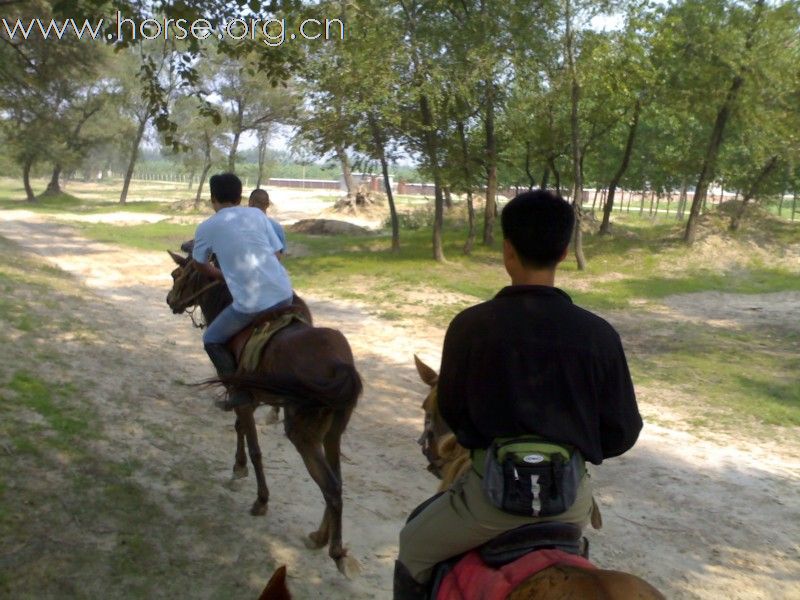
[(147, 236), (42, 397), (739, 375)]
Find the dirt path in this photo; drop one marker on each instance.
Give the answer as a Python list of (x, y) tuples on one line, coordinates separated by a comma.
[(698, 519)]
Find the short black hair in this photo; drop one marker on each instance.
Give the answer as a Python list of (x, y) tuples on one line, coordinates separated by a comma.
[(226, 187), (259, 198), (538, 224)]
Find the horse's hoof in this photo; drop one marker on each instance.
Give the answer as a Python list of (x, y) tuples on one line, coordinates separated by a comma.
[(234, 484), (239, 471), (259, 508), (348, 566), (315, 541)]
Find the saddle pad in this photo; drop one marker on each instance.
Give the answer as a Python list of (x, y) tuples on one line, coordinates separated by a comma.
[(472, 579), (261, 335)]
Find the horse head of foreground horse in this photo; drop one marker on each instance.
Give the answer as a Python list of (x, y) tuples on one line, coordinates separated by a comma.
[(310, 373), (448, 460)]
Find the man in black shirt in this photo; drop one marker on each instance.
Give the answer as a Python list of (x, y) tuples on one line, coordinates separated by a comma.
[(526, 362)]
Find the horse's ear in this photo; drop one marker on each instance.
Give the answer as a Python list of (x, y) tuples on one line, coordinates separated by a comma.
[(427, 374), (276, 587), (179, 260)]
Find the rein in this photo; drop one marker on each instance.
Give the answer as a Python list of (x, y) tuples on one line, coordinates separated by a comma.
[(188, 301)]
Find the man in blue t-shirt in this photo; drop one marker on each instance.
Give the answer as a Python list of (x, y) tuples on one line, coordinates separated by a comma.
[(247, 251), (260, 199)]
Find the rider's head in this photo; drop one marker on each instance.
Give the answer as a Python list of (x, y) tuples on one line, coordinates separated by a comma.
[(537, 227), (259, 199), (226, 189)]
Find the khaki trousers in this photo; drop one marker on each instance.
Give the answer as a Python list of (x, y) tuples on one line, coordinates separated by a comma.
[(462, 518)]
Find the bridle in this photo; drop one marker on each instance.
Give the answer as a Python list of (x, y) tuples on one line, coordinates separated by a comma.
[(181, 280), (187, 302)]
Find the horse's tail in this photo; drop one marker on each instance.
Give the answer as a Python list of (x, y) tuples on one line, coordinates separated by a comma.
[(340, 389)]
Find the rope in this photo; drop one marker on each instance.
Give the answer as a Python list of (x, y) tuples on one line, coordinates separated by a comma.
[(187, 301)]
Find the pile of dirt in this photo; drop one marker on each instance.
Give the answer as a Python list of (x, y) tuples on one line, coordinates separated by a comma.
[(327, 227), (363, 204)]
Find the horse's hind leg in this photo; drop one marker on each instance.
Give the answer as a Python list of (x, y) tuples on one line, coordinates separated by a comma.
[(245, 415), (309, 445), (240, 463), (332, 445)]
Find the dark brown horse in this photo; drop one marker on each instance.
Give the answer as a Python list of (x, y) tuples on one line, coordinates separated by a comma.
[(310, 373), (448, 460)]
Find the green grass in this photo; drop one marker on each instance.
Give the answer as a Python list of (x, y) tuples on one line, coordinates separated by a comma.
[(148, 236), (740, 376), (42, 397)]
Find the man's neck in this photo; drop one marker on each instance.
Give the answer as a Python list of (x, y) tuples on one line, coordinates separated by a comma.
[(546, 277)]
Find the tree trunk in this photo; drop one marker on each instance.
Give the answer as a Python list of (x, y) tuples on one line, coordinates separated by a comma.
[(232, 151), (545, 177), (577, 187), (557, 175), (392, 209), (491, 170), (123, 197), (262, 157), (438, 220), (448, 198), (794, 203), (347, 172), (54, 187), (531, 180), (626, 157), (715, 143), (432, 149), (26, 180), (682, 200), (471, 225), (470, 241), (763, 174), (237, 134), (380, 150), (203, 174)]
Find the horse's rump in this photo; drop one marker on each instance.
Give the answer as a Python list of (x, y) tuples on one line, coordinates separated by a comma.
[(311, 366)]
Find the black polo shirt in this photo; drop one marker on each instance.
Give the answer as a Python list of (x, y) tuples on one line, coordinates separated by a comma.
[(530, 361)]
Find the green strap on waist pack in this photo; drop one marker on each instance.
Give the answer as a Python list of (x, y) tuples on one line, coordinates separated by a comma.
[(519, 447)]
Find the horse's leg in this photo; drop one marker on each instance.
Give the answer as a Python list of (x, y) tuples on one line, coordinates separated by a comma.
[(273, 416), (240, 463), (307, 438), (331, 443), (246, 415)]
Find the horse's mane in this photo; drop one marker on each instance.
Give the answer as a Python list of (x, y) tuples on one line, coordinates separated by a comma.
[(455, 459)]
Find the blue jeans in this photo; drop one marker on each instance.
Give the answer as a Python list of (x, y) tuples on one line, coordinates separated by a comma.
[(230, 322)]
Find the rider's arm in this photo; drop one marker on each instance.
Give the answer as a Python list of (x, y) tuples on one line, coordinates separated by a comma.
[(201, 253), (452, 389), (619, 419)]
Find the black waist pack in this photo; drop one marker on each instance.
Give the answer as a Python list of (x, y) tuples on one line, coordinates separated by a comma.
[(530, 477)]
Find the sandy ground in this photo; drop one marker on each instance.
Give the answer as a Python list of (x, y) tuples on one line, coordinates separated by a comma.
[(697, 518)]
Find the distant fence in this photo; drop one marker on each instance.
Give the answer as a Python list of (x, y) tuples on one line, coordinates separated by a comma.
[(625, 200)]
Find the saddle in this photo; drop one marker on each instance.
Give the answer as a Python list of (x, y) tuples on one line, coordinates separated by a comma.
[(512, 554), (269, 322)]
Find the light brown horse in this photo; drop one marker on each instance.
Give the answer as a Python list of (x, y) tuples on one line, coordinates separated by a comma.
[(310, 373), (448, 460)]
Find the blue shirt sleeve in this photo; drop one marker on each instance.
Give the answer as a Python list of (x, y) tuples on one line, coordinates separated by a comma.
[(202, 245), (279, 232)]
